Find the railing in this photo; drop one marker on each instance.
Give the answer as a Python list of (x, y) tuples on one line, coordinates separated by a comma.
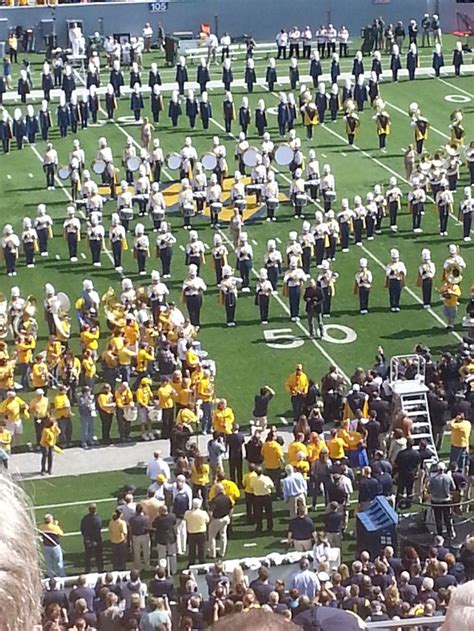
[(407, 623)]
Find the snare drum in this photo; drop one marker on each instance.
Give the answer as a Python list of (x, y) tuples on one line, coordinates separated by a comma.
[(272, 203), (188, 210), (329, 196), (99, 166), (173, 161), (253, 189), (126, 214), (209, 161), (133, 163), (240, 204), (250, 157), (64, 173), (216, 208), (199, 194), (301, 199), (284, 154)]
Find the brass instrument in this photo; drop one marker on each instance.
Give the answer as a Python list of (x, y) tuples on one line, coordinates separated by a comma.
[(453, 274), (3, 317), (26, 321), (60, 312), (114, 311)]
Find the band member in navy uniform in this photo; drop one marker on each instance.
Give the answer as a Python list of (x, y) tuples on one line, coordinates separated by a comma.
[(156, 103), (244, 114), (94, 103), (203, 75), (335, 68), (116, 79), (205, 110), (164, 242), (417, 198), (219, 257), (315, 69), (68, 84), (347, 91), (23, 86), (292, 113), (58, 72), (352, 124), (293, 282), (263, 293), (193, 290), (46, 81), (310, 119), (227, 75), (244, 252), (6, 132), (228, 293), (10, 244), (92, 76), (271, 77), (377, 64), (84, 111), (31, 123), (192, 108), (63, 117), (395, 62), (444, 200), (306, 239), (74, 113), (50, 165), (136, 102), (294, 73), (110, 101), (458, 59), (321, 100), (357, 65), (260, 117), (362, 285), (412, 61), (141, 248), (72, 232), (437, 61), (373, 89), (45, 121), (360, 93), (174, 108), (250, 77), (229, 111), (395, 275), (135, 76), (420, 125), (181, 74), (466, 208), (154, 77), (383, 124), (44, 229), (394, 203), (118, 240), (334, 102), (282, 114), (426, 273)]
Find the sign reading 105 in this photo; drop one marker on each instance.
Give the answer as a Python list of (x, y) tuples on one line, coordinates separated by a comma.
[(158, 7)]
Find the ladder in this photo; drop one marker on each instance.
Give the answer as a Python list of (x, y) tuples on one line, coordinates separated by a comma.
[(413, 400)]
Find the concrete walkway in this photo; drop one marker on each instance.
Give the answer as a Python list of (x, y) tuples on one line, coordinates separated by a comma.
[(78, 461)]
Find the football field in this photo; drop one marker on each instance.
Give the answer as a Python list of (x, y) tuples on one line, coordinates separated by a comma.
[(250, 354)]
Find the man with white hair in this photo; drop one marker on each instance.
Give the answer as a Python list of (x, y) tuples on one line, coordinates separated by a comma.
[(182, 498), (294, 489), (221, 509), (441, 486), (460, 613), (196, 523), (158, 466)]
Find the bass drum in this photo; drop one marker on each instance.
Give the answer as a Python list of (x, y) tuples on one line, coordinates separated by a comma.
[(209, 161), (250, 157), (133, 164), (64, 173), (284, 155), (99, 166), (173, 161)]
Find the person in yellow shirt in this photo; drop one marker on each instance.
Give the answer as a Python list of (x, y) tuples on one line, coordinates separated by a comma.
[(106, 408), (231, 489), (223, 418), (123, 400), (450, 293), (7, 372), (205, 394), (12, 408), (62, 414), (249, 496), (188, 416), (5, 444), (336, 446), (185, 395), (200, 479), (302, 465), (273, 460), (144, 399), (39, 410), (118, 532), (144, 357), (89, 368), (131, 331), (25, 346), (296, 447), (297, 386), (90, 339), (166, 395), (70, 372), (48, 440), (117, 340), (53, 355), (315, 446), (125, 357), (191, 358), (40, 373), (460, 435), (110, 364), (52, 551)]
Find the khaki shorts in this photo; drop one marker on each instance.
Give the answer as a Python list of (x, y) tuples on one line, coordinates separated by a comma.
[(15, 427)]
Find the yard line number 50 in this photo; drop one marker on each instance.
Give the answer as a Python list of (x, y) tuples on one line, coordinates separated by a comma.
[(284, 339)]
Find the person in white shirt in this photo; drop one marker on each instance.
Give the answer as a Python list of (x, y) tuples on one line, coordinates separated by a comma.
[(225, 46), (294, 39), (212, 43), (158, 466), (282, 43), (128, 508), (307, 41), (147, 37), (343, 37), (76, 39)]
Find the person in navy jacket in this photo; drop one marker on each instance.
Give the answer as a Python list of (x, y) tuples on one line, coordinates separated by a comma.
[(84, 110), (19, 128), (229, 111), (136, 102), (282, 115), (347, 91), (174, 108), (271, 77), (68, 84), (315, 69), (63, 116), (458, 59), (437, 61), (334, 102), (23, 86), (154, 77), (373, 87), (244, 115), (94, 103), (45, 120), (192, 108), (395, 62), (260, 117), (32, 126), (110, 101), (377, 64), (46, 81), (335, 68), (202, 76), (181, 74), (74, 113), (205, 110), (135, 76), (292, 113), (227, 75), (116, 79), (357, 65), (360, 93), (321, 101), (156, 103), (250, 76), (92, 76), (58, 72), (6, 132), (294, 73), (412, 61), (3, 88)]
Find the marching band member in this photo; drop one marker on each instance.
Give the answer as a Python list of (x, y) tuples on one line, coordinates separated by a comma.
[(87, 185), (194, 251), (458, 59), (116, 79), (199, 186), (205, 110), (454, 260), (357, 66), (260, 117), (125, 205), (228, 293), (213, 198), (95, 235), (297, 161), (78, 153), (229, 111), (466, 208), (360, 93), (235, 226), (227, 75), (272, 261), (373, 89), (334, 102), (202, 76), (266, 149), (23, 88), (292, 113), (104, 153), (347, 92), (421, 126), (315, 70), (335, 68), (313, 175), (298, 194), (271, 75), (409, 161), (44, 228), (250, 78), (320, 232), (244, 252), (395, 275), (358, 220), (352, 123), (95, 203), (395, 62), (186, 203), (282, 114), (136, 102), (237, 192), (74, 113), (326, 280), (164, 243), (240, 148), (156, 160), (437, 60), (306, 240), (156, 103), (174, 108), (259, 178), (263, 292), (46, 81), (219, 257), (394, 202), (181, 74), (383, 124), (142, 190), (271, 195), (321, 101), (412, 61), (188, 155), (192, 108), (29, 240), (417, 198), (93, 103), (129, 151), (156, 206), (50, 164), (118, 241), (294, 73), (19, 128), (244, 115), (380, 204), (84, 110), (457, 130), (362, 286), (444, 200), (31, 124), (221, 168), (10, 247), (310, 119), (154, 77), (332, 236), (92, 76), (450, 291), (377, 64), (328, 187), (45, 121), (193, 291), (110, 101), (293, 281), (141, 248), (293, 248), (426, 273), (156, 294), (68, 83), (345, 219)]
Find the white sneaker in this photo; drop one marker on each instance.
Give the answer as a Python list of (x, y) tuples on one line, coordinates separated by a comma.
[(246, 290), (467, 239), (97, 264), (143, 273), (30, 266), (73, 259), (269, 218), (264, 321), (44, 254)]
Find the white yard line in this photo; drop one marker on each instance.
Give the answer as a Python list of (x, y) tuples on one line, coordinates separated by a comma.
[(456, 87), (401, 111)]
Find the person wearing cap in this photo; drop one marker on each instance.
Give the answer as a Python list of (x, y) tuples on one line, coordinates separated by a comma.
[(13, 408), (39, 410), (181, 74), (363, 285), (441, 487), (395, 275), (426, 273), (263, 293), (297, 386), (466, 209), (313, 298), (292, 284), (228, 293), (144, 400), (193, 289)]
